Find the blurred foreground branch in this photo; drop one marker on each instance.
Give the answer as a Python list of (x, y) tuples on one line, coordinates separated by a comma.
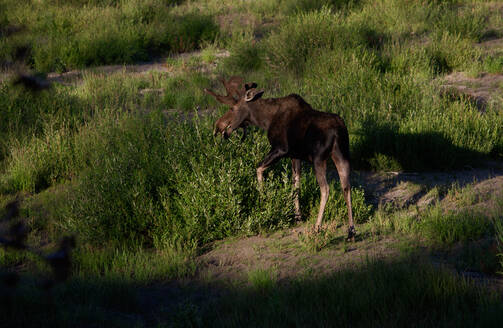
[(14, 238)]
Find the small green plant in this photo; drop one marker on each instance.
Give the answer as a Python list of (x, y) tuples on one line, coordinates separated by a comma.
[(186, 314), (493, 64), (263, 279), (498, 225), (245, 56), (315, 240), (208, 54)]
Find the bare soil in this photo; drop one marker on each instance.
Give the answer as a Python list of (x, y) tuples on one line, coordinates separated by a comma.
[(402, 189), (284, 256), (484, 89)]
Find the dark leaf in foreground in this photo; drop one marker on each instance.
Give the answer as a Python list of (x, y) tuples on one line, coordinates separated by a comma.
[(18, 233), (16, 237), (60, 261), (12, 210), (32, 82), (10, 279)]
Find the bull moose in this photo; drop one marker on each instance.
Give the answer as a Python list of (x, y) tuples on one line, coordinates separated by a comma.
[(295, 130)]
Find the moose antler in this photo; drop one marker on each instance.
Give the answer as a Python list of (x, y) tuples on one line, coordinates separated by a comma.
[(234, 88)]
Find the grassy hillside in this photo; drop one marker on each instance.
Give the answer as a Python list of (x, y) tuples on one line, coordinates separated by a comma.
[(127, 162)]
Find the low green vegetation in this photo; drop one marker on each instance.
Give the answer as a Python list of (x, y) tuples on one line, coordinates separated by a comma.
[(406, 292), (59, 36), (127, 162), (437, 225), (499, 240)]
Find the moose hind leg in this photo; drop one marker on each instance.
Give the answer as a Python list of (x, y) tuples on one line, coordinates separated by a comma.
[(344, 170), (320, 169)]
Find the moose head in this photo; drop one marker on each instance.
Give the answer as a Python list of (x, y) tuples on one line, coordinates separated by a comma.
[(238, 96)]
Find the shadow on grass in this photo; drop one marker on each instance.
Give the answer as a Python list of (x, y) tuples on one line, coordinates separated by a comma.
[(398, 293), (81, 302), (382, 147), (402, 293)]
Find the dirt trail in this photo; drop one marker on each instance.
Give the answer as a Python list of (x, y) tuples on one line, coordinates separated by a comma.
[(158, 65), (75, 76), (402, 189), (285, 257)]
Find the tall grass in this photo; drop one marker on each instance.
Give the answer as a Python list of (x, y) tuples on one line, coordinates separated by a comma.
[(438, 226), (403, 292), (408, 292), (61, 37), (498, 223)]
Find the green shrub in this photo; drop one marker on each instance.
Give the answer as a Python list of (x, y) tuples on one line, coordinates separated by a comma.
[(450, 52), (245, 56), (300, 37), (115, 200)]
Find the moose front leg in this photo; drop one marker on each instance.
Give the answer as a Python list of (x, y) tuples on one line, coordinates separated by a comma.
[(296, 186), (271, 158), (244, 134)]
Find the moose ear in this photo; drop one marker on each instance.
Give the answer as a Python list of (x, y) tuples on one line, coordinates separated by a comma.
[(249, 86), (253, 94)]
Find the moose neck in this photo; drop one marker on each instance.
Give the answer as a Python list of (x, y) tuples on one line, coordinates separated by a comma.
[(262, 113)]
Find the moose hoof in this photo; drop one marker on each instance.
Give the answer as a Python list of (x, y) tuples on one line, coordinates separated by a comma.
[(351, 234)]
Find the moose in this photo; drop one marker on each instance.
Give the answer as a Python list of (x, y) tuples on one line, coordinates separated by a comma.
[(295, 130)]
